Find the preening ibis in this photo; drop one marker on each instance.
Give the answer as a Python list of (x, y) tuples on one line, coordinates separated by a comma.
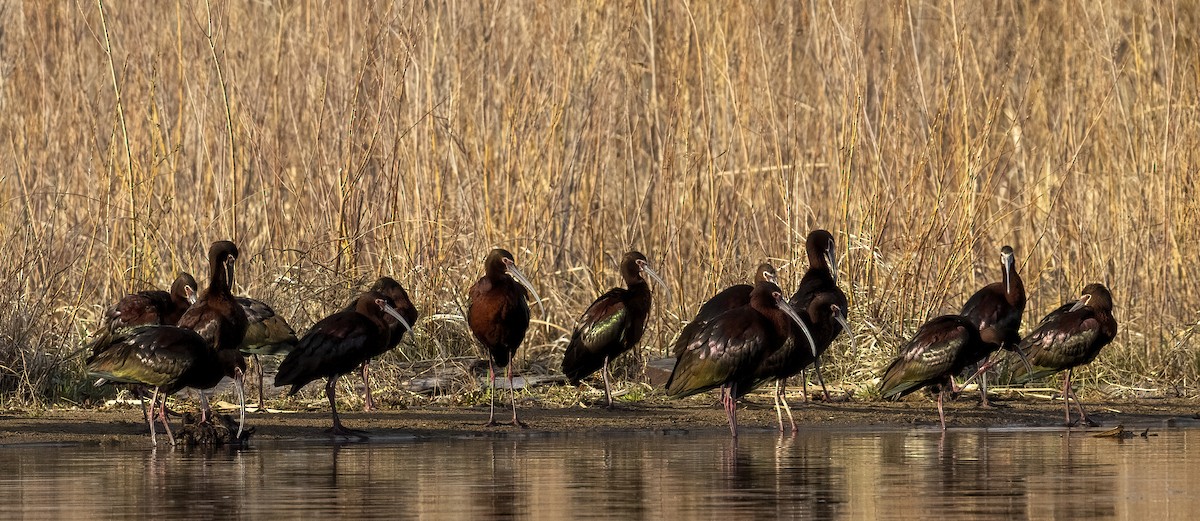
[(942, 348), (821, 278), (148, 307), (266, 334), (996, 310), (336, 345), (498, 316), (167, 358), (734, 296), (612, 324), (729, 348), (1069, 337), (391, 289), (220, 320)]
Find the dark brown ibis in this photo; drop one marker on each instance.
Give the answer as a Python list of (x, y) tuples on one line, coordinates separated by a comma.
[(267, 333), (824, 318), (729, 348), (612, 324), (498, 316), (391, 289), (941, 348), (821, 278), (336, 345), (220, 320), (167, 358), (734, 296), (996, 310), (148, 307), (1069, 337)]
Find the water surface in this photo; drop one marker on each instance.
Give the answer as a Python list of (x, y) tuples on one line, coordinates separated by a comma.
[(820, 474)]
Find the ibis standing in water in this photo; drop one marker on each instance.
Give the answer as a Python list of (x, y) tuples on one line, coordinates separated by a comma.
[(167, 358), (734, 296), (824, 318), (220, 320), (391, 289), (941, 348), (267, 333), (336, 345), (612, 325), (1069, 337), (729, 348), (821, 278), (996, 310), (498, 316)]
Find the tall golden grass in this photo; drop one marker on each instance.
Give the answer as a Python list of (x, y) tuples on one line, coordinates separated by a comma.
[(338, 141)]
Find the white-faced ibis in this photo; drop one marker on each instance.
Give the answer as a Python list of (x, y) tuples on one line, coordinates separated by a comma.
[(821, 278), (266, 334), (996, 310), (391, 289), (942, 348), (498, 316), (336, 345), (612, 325), (167, 358), (731, 346), (734, 296), (1068, 337), (220, 320), (148, 307), (825, 318)]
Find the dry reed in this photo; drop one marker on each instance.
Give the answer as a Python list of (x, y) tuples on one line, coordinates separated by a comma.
[(338, 141)]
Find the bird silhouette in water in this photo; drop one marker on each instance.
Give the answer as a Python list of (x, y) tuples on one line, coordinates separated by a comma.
[(729, 298), (391, 289), (1069, 337), (728, 349), (221, 322), (498, 316), (996, 310), (336, 345), (940, 349), (611, 325)]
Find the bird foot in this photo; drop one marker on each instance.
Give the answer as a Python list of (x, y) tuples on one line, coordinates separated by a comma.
[(519, 423), (1086, 422), (338, 430)]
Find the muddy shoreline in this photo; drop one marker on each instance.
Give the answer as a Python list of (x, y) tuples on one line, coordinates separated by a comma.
[(124, 425)]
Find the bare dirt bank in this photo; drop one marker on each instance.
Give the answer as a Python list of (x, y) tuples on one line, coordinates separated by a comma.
[(109, 426)]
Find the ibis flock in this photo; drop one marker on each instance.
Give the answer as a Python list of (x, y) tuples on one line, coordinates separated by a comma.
[(746, 336)]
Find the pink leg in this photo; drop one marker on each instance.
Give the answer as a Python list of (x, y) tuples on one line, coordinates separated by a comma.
[(941, 413), (492, 393), (512, 392), (369, 401)]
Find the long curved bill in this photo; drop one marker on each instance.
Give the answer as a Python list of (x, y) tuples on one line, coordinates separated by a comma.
[(654, 275), (1007, 261), (229, 272), (387, 308), (845, 327), (240, 385), (791, 312), (520, 277), (1083, 301), (831, 258)]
